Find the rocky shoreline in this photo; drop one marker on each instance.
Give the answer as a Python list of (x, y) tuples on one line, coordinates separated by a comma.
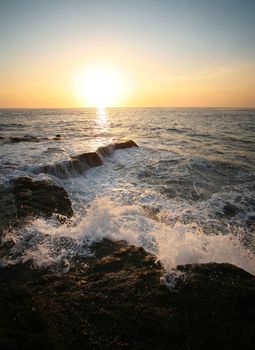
[(27, 197), (118, 297), (115, 299)]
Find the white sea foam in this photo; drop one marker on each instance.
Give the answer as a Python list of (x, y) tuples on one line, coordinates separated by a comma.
[(47, 243)]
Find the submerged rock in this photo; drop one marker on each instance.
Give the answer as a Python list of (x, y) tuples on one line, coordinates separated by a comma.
[(115, 300), (57, 137), (26, 138), (27, 197)]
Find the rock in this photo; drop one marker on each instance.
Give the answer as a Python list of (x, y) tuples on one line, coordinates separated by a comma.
[(126, 144), (230, 210), (8, 209), (106, 151), (26, 138), (92, 159), (78, 164), (250, 221), (114, 299), (40, 197), (27, 197)]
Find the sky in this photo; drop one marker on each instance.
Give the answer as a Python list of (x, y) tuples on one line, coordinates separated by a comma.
[(187, 53)]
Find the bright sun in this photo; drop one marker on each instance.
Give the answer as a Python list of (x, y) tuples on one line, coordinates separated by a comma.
[(100, 87)]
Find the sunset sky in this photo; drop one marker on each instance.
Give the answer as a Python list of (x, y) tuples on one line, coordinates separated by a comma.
[(157, 53)]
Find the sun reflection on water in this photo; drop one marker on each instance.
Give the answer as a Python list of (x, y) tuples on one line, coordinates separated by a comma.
[(102, 119), (101, 114), (101, 128)]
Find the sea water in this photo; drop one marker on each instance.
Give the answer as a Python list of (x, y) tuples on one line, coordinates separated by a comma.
[(187, 194)]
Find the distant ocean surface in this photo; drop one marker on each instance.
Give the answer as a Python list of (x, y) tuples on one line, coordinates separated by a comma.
[(187, 194)]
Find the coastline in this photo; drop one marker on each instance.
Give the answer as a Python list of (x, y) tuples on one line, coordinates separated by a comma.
[(119, 296), (116, 299)]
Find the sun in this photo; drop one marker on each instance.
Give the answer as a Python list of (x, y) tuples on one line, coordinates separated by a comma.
[(100, 87)]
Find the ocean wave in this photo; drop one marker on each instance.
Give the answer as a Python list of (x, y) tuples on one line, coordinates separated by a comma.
[(46, 243)]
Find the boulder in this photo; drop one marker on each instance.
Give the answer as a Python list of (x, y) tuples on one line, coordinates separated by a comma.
[(27, 197), (40, 197)]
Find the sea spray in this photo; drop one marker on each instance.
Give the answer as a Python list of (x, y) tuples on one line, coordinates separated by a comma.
[(47, 243)]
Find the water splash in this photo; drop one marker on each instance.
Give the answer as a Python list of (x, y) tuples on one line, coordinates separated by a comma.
[(47, 243)]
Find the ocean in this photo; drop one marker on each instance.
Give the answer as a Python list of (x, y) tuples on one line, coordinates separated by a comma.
[(186, 194)]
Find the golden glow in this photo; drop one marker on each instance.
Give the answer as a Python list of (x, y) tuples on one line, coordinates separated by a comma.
[(100, 87), (140, 84)]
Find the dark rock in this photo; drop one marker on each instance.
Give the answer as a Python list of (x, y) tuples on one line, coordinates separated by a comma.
[(64, 169), (92, 159), (114, 299), (230, 210), (78, 164), (8, 209), (40, 197), (27, 138), (250, 221), (57, 137), (28, 198), (126, 144)]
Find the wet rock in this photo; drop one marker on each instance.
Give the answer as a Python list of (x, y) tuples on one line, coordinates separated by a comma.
[(230, 210), (78, 164), (40, 197), (126, 144), (114, 299), (26, 138), (107, 151), (8, 209), (92, 159), (63, 169), (57, 137), (26, 197), (250, 221)]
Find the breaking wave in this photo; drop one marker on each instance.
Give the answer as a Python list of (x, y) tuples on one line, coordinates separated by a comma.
[(46, 243)]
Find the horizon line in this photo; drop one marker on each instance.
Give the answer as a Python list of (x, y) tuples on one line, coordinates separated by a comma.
[(149, 107)]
